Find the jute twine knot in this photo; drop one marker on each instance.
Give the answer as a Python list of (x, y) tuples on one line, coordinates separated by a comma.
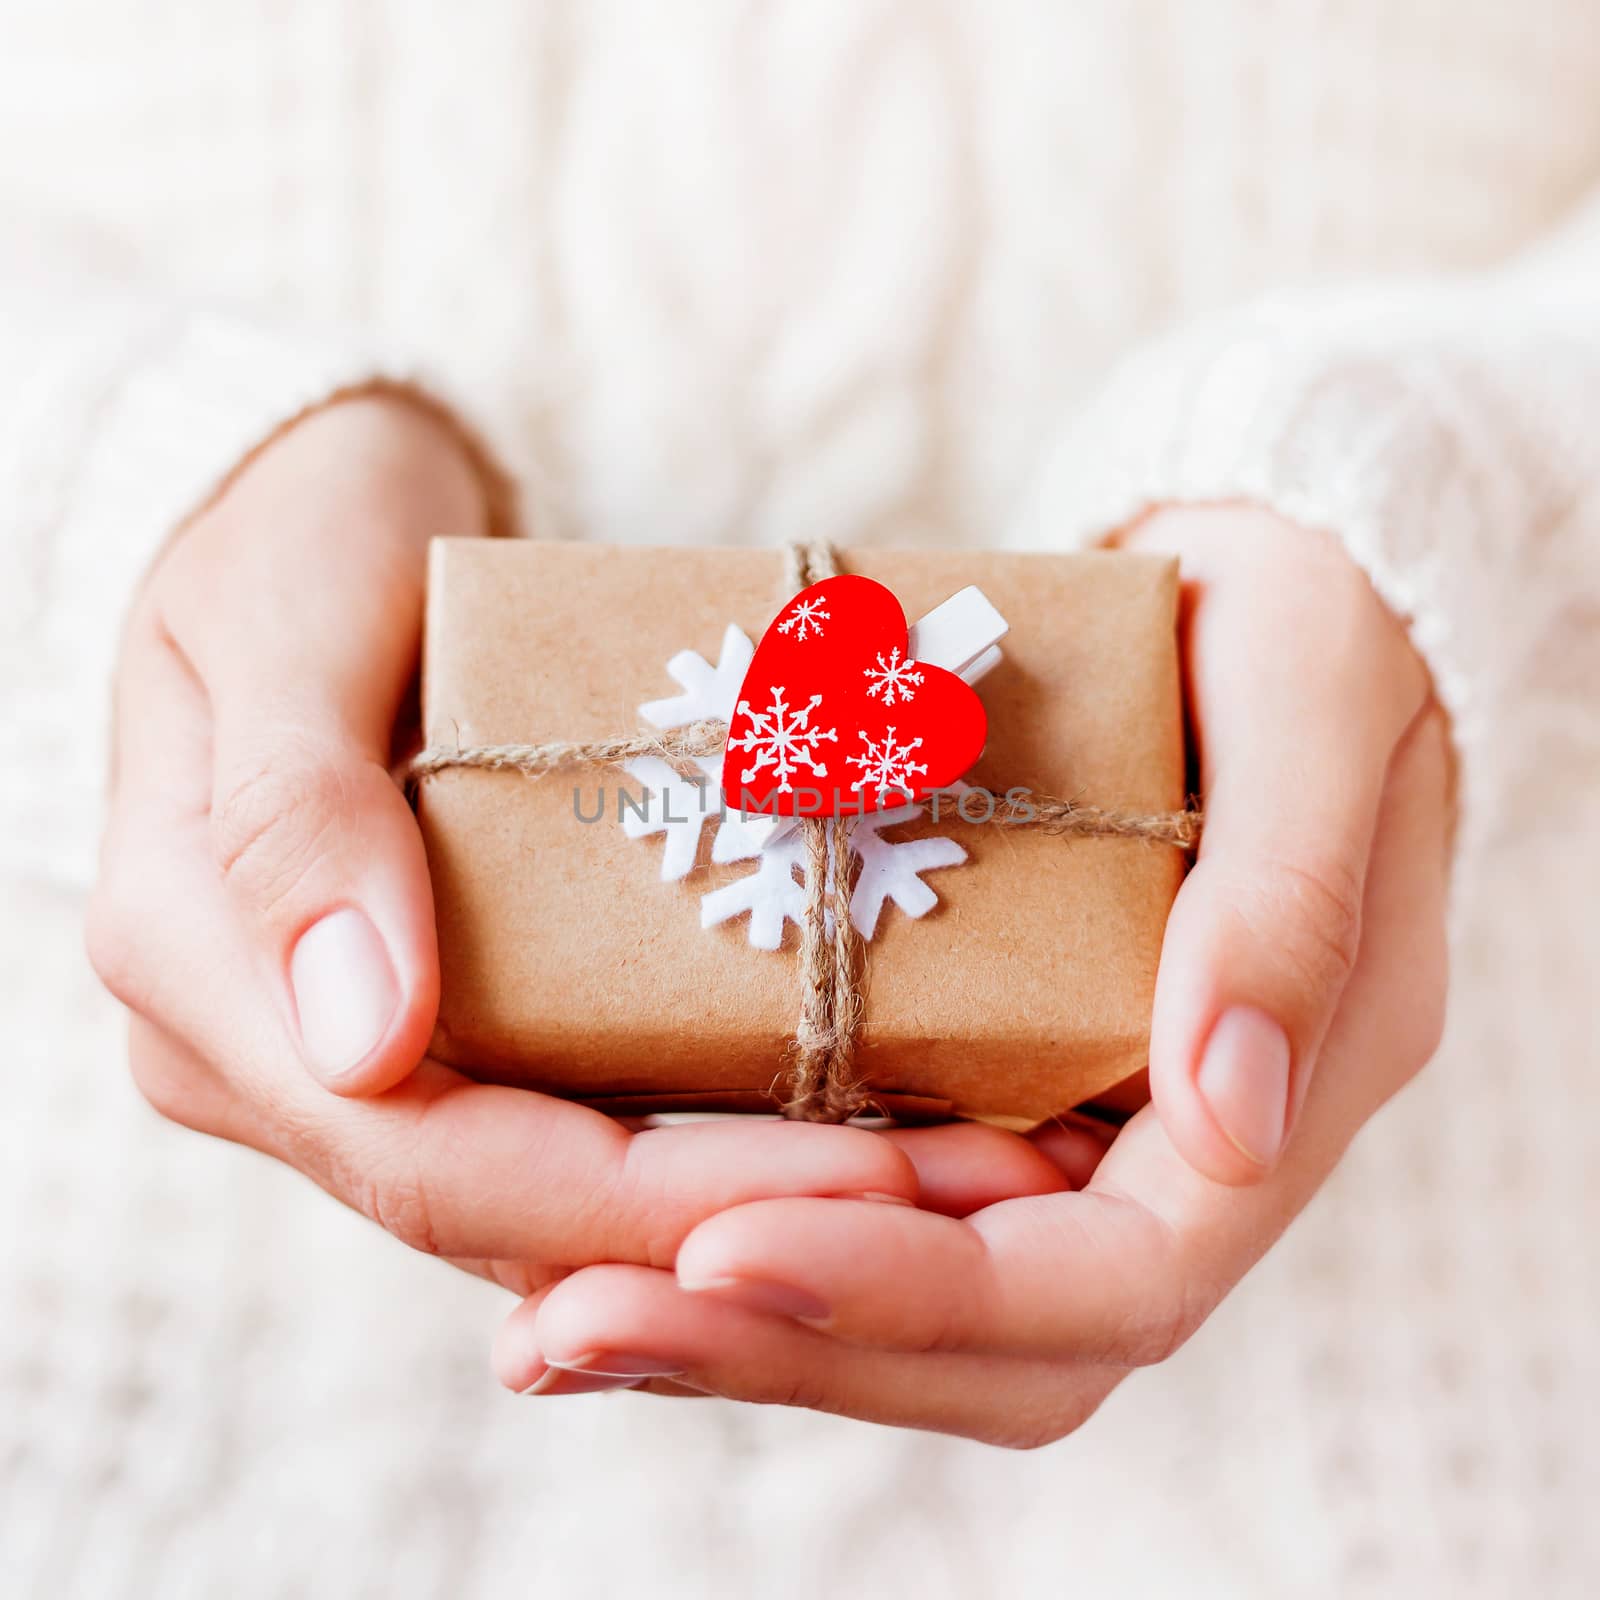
[(824, 1085)]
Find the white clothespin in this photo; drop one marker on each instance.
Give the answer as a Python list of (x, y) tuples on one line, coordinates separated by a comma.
[(962, 635)]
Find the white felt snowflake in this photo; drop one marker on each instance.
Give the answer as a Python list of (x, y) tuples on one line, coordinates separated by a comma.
[(773, 892), (674, 805), (886, 765), (890, 869), (677, 807), (708, 691), (782, 738), (893, 678), (804, 618)]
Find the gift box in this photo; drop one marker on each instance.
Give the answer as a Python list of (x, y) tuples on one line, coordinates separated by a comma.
[(601, 941)]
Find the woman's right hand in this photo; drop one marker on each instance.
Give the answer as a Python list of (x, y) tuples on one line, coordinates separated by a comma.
[(264, 907)]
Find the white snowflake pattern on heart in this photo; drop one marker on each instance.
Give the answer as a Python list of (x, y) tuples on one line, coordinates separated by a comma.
[(804, 619), (886, 765), (781, 737), (893, 678), (772, 894)]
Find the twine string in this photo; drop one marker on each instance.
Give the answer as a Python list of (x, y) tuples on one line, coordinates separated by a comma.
[(1072, 819), (808, 563), (824, 1085), (703, 738)]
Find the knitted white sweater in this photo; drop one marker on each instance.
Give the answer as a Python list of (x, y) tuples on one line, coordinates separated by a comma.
[(888, 272)]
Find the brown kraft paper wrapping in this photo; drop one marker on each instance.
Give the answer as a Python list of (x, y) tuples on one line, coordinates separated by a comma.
[(568, 965)]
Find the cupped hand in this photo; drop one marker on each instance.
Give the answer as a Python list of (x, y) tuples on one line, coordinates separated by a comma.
[(264, 908), (1301, 984)]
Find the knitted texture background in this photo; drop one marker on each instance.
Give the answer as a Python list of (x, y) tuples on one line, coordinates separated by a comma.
[(881, 271)]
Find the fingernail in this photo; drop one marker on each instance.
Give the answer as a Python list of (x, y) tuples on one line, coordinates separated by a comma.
[(1244, 1079), (345, 991), (755, 1294), (617, 1364), (879, 1197), (559, 1381)]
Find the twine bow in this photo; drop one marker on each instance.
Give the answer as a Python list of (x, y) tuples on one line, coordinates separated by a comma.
[(824, 1085)]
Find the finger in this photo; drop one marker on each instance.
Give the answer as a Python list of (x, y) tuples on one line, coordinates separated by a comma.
[(1123, 1272), (187, 1090), (965, 1166), (147, 892), (161, 731), (1074, 1145), (182, 1087), (467, 1169), (476, 1172), (611, 1326), (534, 1370), (303, 628), (1098, 1289), (1299, 692), (515, 1277)]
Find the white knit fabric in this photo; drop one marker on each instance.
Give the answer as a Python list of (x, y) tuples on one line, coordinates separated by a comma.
[(887, 271)]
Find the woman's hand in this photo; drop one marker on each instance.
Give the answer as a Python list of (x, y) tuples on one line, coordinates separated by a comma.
[(1301, 984), (264, 907)]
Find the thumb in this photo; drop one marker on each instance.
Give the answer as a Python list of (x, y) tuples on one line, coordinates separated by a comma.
[(324, 863), (1260, 942), (302, 622), (1297, 715)]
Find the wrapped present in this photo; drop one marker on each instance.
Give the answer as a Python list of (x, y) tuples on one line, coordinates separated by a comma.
[(615, 927)]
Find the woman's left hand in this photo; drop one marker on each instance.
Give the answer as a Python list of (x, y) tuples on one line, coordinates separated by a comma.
[(1036, 1273)]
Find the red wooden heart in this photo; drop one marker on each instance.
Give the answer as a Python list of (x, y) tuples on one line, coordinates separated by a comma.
[(834, 718)]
